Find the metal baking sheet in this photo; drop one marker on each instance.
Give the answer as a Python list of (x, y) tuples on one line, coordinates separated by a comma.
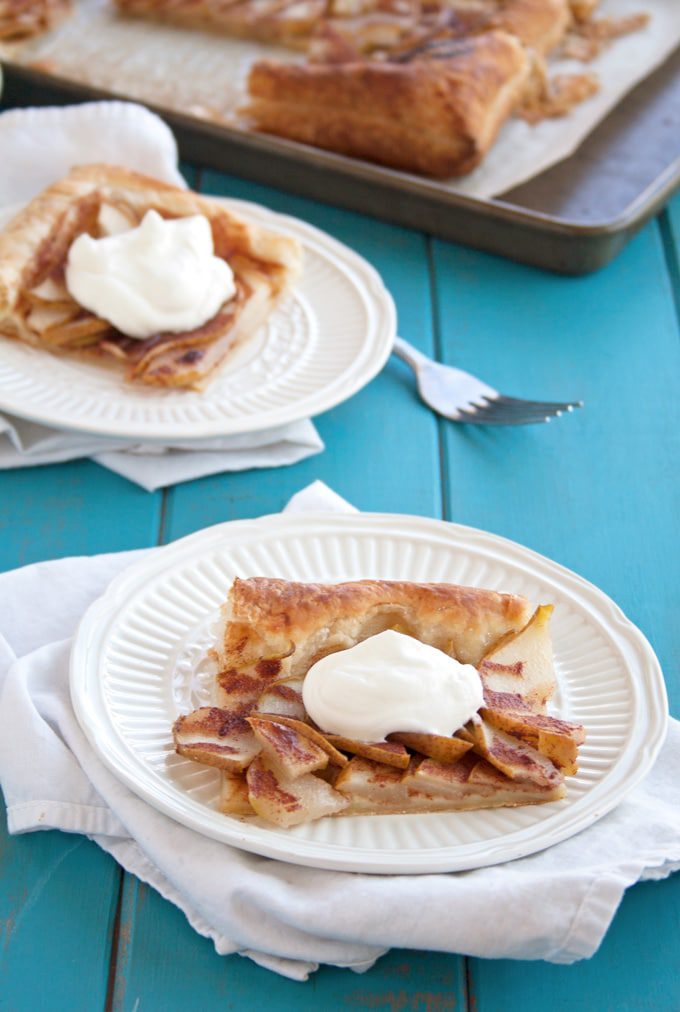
[(573, 218)]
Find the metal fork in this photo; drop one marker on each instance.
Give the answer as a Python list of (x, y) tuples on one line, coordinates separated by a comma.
[(464, 398)]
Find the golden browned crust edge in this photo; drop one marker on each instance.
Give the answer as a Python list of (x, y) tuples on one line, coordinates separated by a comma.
[(288, 625), (539, 24)]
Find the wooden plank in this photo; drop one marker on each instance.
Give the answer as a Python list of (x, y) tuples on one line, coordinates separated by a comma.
[(635, 968), (58, 892), (77, 508), (57, 905), (669, 223), (48, 512), (672, 212), (594, 491), (373, 441), (165, 966)]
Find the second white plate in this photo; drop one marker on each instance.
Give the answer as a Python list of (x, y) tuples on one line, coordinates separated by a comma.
[(330, 336), (139, 660)]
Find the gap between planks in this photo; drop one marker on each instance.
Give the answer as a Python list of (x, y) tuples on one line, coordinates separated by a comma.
[(195, 179), (670, 251)]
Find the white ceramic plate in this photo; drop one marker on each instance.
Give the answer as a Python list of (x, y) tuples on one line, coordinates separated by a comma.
[(330, 336), (139, 660)]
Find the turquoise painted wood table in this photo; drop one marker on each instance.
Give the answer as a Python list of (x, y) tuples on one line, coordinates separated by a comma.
[(597, 491)]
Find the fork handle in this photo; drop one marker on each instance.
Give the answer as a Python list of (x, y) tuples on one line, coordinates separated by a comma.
[(405, 351)]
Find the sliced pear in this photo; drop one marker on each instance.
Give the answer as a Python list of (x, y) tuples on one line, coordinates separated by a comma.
[(234, 794), (514, 758), (387, 752), (290, 802), (216, 737), (557, 740), (473, 783), (433, 776), (75, 331), (372, 787), (522, 662), (45, 316), (114, 219), (309, 732), (283, 697), (504, 791), (288, 753), (436, 746), (51, 290), (511, 702)]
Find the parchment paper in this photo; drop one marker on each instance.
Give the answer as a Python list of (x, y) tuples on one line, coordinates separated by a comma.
[(203, 75)]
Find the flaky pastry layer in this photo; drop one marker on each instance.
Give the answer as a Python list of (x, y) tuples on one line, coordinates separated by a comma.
[(278, 629)]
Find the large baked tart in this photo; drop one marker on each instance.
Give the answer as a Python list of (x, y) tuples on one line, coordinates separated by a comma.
[(101, 201), (418, 85), (277, 763)]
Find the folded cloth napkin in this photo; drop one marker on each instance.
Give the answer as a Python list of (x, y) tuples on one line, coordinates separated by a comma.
[(289, 918), (26, 444), (130, 135)]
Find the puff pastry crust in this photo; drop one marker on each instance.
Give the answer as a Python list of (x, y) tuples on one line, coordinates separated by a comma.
[(436, 114), (292, 625), (279, 765), (36, 307)]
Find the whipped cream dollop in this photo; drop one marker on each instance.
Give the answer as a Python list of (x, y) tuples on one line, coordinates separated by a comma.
[(391, 682), (159, 277)]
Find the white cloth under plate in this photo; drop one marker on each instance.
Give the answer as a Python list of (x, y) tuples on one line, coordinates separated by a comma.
[(130, 135), (289, 918), (154, 466)]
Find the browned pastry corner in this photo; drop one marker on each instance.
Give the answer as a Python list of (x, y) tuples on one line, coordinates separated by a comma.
[(539, 24), (36, 307), (21, 19), (437, 114)]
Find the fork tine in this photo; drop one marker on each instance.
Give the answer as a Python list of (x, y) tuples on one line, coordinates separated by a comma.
[(491, 418), (519, 403), (462, 397), (500, 410)]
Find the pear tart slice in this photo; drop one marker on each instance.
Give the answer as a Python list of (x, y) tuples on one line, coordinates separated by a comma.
[(279, 765), (103, 200)]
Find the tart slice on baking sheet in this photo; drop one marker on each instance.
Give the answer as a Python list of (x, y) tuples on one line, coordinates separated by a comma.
[(118, 268), (437, 112), (378, 697)]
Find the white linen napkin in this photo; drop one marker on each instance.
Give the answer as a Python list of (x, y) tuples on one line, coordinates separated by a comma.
[(126, 134), (26, 444), (289, 918)]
